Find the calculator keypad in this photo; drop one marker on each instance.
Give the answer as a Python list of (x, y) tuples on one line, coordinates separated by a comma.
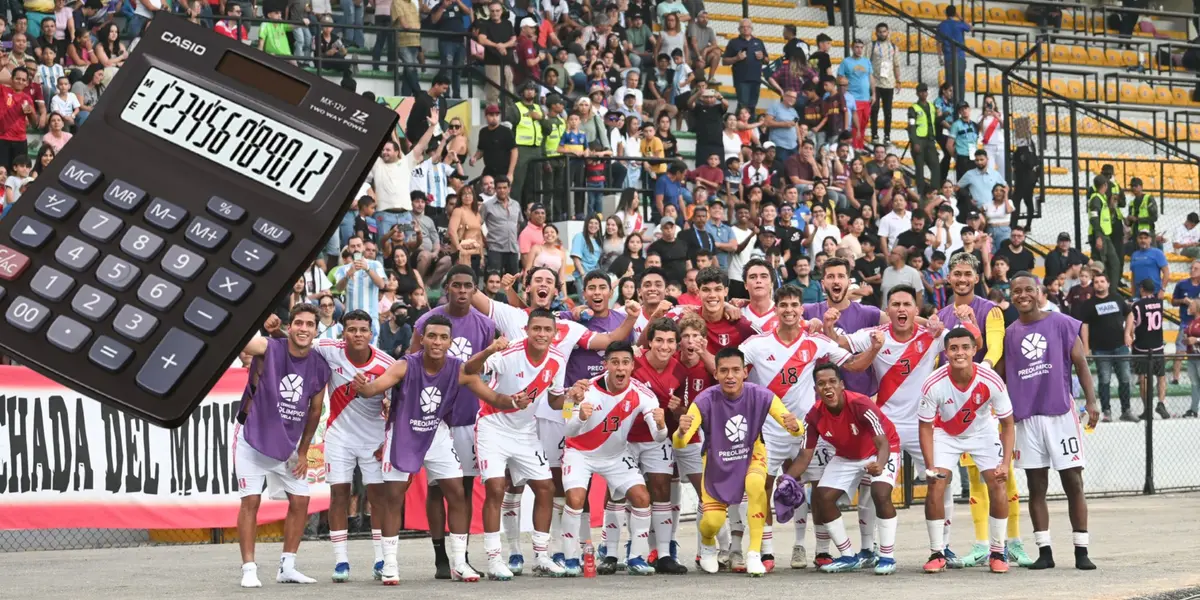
[(169, 361), (229, 286), (206, 234), (134, 324), (158, 293), (272, 232), (51, 284), (164, 215), (205, 315), (80, 177), (76, 254), (92, 303), (54, 204), (26, 315), (12, 263), (181, 263), (68, 334), (99, 225), (109, 354), (225, 210), (116, 273), (123, 196), (31, 233), (141, 244), (252, 257)]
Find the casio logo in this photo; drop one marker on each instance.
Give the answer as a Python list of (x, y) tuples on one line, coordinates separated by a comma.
[(183, 43)]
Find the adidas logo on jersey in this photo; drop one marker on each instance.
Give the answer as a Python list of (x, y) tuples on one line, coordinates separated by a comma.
[(886, 351), (771, 358), (521, 374)]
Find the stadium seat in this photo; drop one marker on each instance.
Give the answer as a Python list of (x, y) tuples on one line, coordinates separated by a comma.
[(1162, 95), (1088, 126), (1079, 55), (1145, 127), (1089, 91), (1095, 57), (929, 45), (1058, 86), (1110, 92), (1112, 58), (991, 49), (1075, 89), (975, 45), (1129, 58), (1008, 49), (1015, 16), (1181, 97), (928, 11), (995, 85), (910, 8), (1051, 123), (1060, 54), (997, 15), (1145, 94)]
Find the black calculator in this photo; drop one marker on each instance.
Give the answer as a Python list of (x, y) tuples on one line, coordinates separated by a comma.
[(140, 263)]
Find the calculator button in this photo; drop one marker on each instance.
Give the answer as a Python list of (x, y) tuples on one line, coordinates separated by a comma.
[(79, 176), (109, 354), (205, 315), (206, 234), (164, 215), (75, 254), (141, 244), (169, 362), (159, 293), (272, 232), (12, 263), (31, 233), (252, 257), (182, 263), (51, 284), (228, 285), (116, 273), (54, 204), (99, 225), (26, 315), (92, 303), (123, 196), (68, 334), (134, 324), (226, 210)]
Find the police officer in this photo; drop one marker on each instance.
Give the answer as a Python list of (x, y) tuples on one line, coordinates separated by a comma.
[(1143, 210), (553, 127), (1103, 220), (529, 136), (922, 132)]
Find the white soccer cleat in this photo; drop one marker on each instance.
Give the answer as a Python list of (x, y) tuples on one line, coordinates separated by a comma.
[(708, 559), (464, 572), (799, 558), (544, 566), (498, 571), (250, 578), (293, 576), (754, 564), (391, 571)]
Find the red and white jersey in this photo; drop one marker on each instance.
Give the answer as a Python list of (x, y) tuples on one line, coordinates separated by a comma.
[(354, 421), (764, 323), (605, 433), (511, 322), (513, 372), (964, 411), (786, 369), (901, 368), (642, 322)]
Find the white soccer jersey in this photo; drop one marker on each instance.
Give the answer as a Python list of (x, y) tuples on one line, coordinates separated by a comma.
[(964, 412), (787, 369), (354, 421), (511, 322), (764, 323), (642, 322), (513, 372), (901, 368), (604, 434)]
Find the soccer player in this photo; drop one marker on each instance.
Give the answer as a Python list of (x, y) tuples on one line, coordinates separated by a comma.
[(732, 416), (286, 390), (698, 367), (782, 361), (605, 409), (960, 404), (472, 332), (760, 285), (1036, 348), (418, 437), (652, 293), (864, 443), (989, 319)]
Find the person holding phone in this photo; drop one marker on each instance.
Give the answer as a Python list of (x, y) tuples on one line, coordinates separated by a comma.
[(746, 54)]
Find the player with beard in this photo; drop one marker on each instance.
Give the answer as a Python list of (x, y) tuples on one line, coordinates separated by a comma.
[(782, 361), (989, 319), (760, 285), (732, 416), (1038, 346), (276, 424), (605, 409), (417, 437), (851, 316), (472, 332), (541, 287)]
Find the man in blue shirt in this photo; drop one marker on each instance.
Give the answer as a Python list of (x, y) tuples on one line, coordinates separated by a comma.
[(721, 232), (858, 70), (783, 126), (1184, 291), (746, 53), (981, 180), (1148, 262), (951, 41), (667, 190), (964, 137)]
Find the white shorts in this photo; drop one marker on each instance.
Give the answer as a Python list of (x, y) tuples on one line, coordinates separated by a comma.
[(845, 474), (985, 450), (1050, 442), (620, 472), (654, 457), (822, 454), (254, 470), (340, 461), (499, 448), (910, 442), (464, 447), (554, 438), (688, 460), (781, 449), (441, 462)]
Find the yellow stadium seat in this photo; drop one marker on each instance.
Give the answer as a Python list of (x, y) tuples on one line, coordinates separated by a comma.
[(1095, 57), (1160, 129), (1162, 95), (1181, 97), (1089, 91), (1181, 132), (1087, 126), (1059, 54), (1075, 89), (941, 7), (1110, 92), (1145, 94), (1129, 58), (995, 85), (929, 44), (996, 15), (975, 45), (928, 11), (1145, 127), (901, 43), (1008, 49), (1079, 55), (1058, 86), (991, 49), (910, 8), (1112, 57), (1015, 16), (1051, 123)]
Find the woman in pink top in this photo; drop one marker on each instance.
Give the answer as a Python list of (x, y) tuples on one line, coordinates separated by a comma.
[(57, 136), (79, 53)]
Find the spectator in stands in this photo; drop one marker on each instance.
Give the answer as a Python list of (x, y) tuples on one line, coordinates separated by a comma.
[(17, 111), (496, 146), (231, 26), (424, 105), (981, 181), (452, 16), (894, 223), (1191, 339), (497, 37), (88, 89), (951, 43), (1147, 328), (1187, 237), (885, 76), (899, 272), (963, 141), (1142, 212), (1148, 262), (328, 45), (501, 216), (1103, 222), (1107, 332), (1020, 258), (922, 133), (1027, 172), (1063, 257), (705, 52), (708, 109), (527, 132), (746, 54), (1083, 291), (997, 214), (859, 72)]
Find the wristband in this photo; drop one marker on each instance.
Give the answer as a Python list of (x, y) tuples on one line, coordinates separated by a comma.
[(558, 391)]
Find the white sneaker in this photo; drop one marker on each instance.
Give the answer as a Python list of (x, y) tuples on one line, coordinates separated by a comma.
[(391, 571), (544, 566), (498, 571), (250, 578), (293, 576), (464, 572), (799, 558), (754, 564), (708, 559)]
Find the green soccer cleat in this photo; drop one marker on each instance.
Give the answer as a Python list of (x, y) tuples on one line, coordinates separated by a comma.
[(1016, 553), (977, 556)]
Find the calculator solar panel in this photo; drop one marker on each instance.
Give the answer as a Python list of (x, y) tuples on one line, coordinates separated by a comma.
[(137, 266)]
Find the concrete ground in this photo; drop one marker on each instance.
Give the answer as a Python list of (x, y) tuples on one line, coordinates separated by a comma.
[(1144, 546)]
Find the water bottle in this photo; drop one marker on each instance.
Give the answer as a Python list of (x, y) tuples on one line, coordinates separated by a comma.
[(589, 559), (1083, 419)]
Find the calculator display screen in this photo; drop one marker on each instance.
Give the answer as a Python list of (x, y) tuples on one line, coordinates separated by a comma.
[(231, 135)]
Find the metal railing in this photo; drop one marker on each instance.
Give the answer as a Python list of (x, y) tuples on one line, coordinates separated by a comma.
[(559, 183)]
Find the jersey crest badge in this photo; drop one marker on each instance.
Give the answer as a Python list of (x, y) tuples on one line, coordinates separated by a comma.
[(723, 339)]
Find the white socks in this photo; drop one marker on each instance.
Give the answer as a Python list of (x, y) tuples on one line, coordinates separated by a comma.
[(338, 538), (822, 534), (570, 525), (768, 539), (376, 543), (1041, 538), (866, 518), (510, 521), (287, 561), (390, 545), (662, 525), (948, 509), (541, 543), (887, 536), (723, 535), (1080, 538), (556, 518), (997, 528), (458, 549), (491, 545), (676, 499), (800, 522), (614, 522), (937, 534), (639, 529), (836, 530)]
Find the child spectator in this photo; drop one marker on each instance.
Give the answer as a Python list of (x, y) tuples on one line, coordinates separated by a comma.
[(64, 103), (273, 36), (15, 183), (594, 173), (935, 281), (733, 179)]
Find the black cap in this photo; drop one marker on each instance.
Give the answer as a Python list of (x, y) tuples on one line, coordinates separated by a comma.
[(922, 87), (536, 206), (1064, 237)]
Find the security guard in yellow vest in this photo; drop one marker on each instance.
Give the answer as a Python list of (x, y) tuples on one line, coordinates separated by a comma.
[(1143, 210), (529, 137), (1103, 220), (922, 134), (553, 127)]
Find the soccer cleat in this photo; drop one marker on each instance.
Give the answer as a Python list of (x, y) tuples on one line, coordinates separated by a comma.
[(669, 566), (292, 576), (498, 571), (250, 578), (1082, 562), (341, 572), (675, 550), (842, 564), (997, 562), (799, 558), (709, 561), (390, 573), (638, 566), (936, 563), (737, 563), (754, 564), (464, 573), (768, 561), (723, 559), (571, 567), (608, 566), (1045, 559), (650, 558), (886, 565), (822, 559), (952, 559), (441, 569), (545, 567), (1015, 551), (867, 559), (978, 556), (516, 564), (559, 558), (378, 570)]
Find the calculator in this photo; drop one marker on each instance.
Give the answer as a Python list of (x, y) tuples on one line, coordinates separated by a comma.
[(144, 258)]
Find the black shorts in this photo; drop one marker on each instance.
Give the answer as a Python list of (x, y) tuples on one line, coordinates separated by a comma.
[(1149, 364)]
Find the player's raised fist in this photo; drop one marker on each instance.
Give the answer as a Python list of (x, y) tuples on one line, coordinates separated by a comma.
[(498, 345), (578, 390), (633, 308), (934, 326), (660, 309), (790, 423), (874, 469), (272, 324), (585, 411), (521, 401), (674, 404), (659, 418), (965, 314), (685, 423), (830, 318), (507, 281), (876, 339)]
